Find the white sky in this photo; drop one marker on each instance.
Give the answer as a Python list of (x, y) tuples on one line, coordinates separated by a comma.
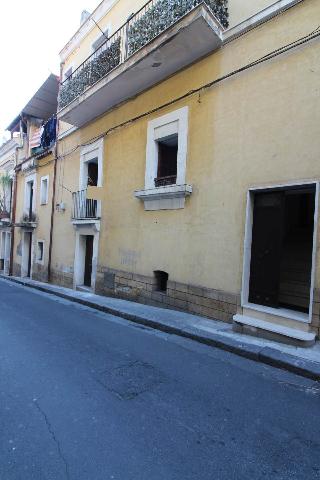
[(32, 33)]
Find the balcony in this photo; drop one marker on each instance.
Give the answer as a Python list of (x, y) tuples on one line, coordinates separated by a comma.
[(4, 214), (28, 220), (158, 41), (83, 208), (43, 139), (5, 197)]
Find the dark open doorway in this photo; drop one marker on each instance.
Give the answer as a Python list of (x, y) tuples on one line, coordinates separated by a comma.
[(91, 205), (93, 173), (281, 251), (88, 260), (29, 252)]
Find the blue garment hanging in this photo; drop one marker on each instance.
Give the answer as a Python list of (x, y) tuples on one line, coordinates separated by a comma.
[(48, 136)]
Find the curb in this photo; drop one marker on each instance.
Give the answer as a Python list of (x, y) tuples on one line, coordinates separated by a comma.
[(267, 355)]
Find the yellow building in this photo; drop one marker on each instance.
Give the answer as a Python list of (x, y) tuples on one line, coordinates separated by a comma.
[(8, 152), (187, 170), (33, 186)]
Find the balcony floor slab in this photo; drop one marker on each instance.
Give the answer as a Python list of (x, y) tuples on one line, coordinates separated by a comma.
[(194, 36)]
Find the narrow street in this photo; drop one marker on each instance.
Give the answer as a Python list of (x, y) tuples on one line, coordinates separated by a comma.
[(89, 396)]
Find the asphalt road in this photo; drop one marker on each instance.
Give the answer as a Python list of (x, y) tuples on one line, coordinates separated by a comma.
[(88, 396)]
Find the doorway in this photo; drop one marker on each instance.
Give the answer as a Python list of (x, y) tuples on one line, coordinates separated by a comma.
[(86, 257), (88, 260), (29, 200), (93, 173), (91, 205), (26, 266), (282, 248)]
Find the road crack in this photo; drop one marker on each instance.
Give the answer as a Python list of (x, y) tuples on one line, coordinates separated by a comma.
[(56, 441)]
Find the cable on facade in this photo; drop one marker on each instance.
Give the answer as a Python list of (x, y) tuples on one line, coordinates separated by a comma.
[(275, 53)]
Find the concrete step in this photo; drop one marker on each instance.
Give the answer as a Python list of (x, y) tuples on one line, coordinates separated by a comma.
[(84, 288), (257, 327)]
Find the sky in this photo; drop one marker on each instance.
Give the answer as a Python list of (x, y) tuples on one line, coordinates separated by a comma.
[(31, 36)]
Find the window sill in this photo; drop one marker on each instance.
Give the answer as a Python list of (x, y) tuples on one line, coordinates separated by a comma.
[(170, 197)]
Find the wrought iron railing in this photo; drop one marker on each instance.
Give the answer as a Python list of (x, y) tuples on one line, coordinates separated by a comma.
[(151, 20), (83, 207), (29, 217), (164, 181)]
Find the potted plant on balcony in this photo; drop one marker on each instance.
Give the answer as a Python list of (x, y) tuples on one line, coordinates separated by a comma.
[(5, 193), (28, 218)]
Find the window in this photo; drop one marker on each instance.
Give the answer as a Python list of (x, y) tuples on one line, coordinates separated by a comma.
[(91, 161), (93, 172), (40, 251), (165, 185), (166, 154), (44, 190), (91, 179), (100, 41), (167, 161), (29, 196)]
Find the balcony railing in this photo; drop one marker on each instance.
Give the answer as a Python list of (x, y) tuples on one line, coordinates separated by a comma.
[(164, 181), (83, 208), (150, 21), (29, 219)]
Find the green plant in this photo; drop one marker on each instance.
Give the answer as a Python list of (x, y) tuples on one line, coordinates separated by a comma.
[(164, 13), (5, 191), (28, 218), (96, 67)]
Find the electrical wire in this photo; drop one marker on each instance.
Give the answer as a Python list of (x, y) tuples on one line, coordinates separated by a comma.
[(273, 54)]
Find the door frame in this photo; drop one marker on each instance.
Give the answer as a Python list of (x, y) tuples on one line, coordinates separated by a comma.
[(27, 249), (83, 230), (306, 318)]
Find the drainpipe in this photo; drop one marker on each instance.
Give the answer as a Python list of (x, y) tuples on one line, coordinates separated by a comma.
[(13, 221), (53, 195), (14, 197), (53, 206)]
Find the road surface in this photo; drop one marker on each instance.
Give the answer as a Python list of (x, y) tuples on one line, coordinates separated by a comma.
[(89, 396)]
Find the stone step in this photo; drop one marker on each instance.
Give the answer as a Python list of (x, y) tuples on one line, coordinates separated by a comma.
[(257, 327), (84, 288)]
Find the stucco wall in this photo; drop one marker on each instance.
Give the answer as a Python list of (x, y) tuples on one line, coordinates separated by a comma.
[(258, 128), (43, 213)]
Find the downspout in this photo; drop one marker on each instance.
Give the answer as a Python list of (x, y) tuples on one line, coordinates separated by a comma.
[(13, 219), (52, 209), (53, 196)]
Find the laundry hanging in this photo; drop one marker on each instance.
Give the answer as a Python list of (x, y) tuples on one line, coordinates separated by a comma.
[(48, 136)]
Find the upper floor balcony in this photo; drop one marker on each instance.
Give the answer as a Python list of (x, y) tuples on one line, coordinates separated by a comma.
[(43, 138), (84, 208), (5, 197), (158, 41)]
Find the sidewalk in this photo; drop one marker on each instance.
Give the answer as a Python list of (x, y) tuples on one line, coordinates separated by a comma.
[(302, 361)]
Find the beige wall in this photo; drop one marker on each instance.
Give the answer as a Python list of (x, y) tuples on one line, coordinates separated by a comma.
[(43, 213), (240, 10), (260, 127)]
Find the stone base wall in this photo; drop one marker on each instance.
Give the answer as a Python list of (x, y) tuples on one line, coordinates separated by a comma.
[(193, 299), (61, 278), (315, 324), (16, 269), (39, 272)]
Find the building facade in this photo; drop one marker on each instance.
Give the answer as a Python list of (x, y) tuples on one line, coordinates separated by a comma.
[(8, 153), (34, 172), (187, 160)]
